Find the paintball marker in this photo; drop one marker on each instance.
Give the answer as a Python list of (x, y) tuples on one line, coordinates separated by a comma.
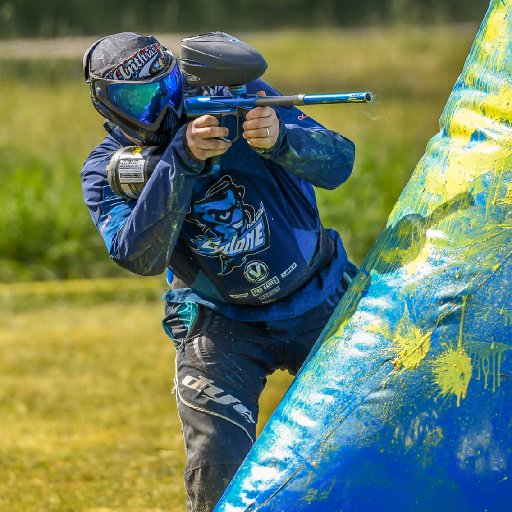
[(218, 59), (209, 60)]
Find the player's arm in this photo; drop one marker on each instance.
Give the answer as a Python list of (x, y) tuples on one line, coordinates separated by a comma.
[(140, 235), (302, 145)]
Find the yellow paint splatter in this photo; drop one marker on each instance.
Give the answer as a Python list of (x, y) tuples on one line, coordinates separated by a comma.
[(417, 264), (507, 316), (380, 327), (507, 199), (314, 495), (487, 358), (453, 368), (434, 437), (340, 329), (496, 26), (412, 345), (452, 373)]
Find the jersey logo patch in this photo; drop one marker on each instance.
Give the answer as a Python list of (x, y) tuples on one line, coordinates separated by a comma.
[(256, 271), (231, 229)]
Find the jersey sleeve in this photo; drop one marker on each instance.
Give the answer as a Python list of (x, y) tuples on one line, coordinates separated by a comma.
[(140, 234), (307, 149)]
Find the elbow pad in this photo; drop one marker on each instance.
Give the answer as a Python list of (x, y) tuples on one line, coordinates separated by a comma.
[(130, 168)]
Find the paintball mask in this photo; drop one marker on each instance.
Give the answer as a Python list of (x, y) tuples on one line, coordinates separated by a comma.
[(136, 84)]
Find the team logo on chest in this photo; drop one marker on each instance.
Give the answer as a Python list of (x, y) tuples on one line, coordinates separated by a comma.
[(231, 229)]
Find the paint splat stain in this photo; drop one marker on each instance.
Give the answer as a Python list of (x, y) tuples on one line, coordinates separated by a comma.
[(487, 359), (412, 345), (452, 373), (341, 328), (507, 199), (314, 495), (434, 437), (453, 368)]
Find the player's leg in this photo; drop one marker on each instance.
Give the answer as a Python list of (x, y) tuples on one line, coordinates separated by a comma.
[(221, 370)]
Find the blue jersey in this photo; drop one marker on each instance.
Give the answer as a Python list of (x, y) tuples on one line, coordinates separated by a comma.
[(246, 239)]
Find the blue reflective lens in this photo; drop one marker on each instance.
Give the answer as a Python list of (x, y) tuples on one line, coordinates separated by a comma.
[(145, 101)]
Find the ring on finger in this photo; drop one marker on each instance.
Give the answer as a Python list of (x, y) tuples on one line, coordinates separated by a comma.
[(268, 132)]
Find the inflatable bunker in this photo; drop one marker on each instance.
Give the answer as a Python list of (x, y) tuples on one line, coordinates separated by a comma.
[(406, 401)]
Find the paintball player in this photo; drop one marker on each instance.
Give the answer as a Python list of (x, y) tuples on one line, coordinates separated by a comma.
[(253, 275)]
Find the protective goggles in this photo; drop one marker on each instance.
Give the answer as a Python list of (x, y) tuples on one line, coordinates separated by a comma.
[(143, 103)]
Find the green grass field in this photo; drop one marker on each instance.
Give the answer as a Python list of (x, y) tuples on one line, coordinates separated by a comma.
[(88, 418)]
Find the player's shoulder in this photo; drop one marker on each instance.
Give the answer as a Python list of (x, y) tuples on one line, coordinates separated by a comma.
[(101, 154)]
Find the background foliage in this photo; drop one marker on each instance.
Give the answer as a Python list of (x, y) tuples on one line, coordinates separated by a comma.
[(29, 18)]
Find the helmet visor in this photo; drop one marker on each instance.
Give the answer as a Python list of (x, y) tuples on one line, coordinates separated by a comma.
[(144, 102)]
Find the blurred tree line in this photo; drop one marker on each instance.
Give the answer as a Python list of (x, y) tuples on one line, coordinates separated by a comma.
[(54, 18)]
